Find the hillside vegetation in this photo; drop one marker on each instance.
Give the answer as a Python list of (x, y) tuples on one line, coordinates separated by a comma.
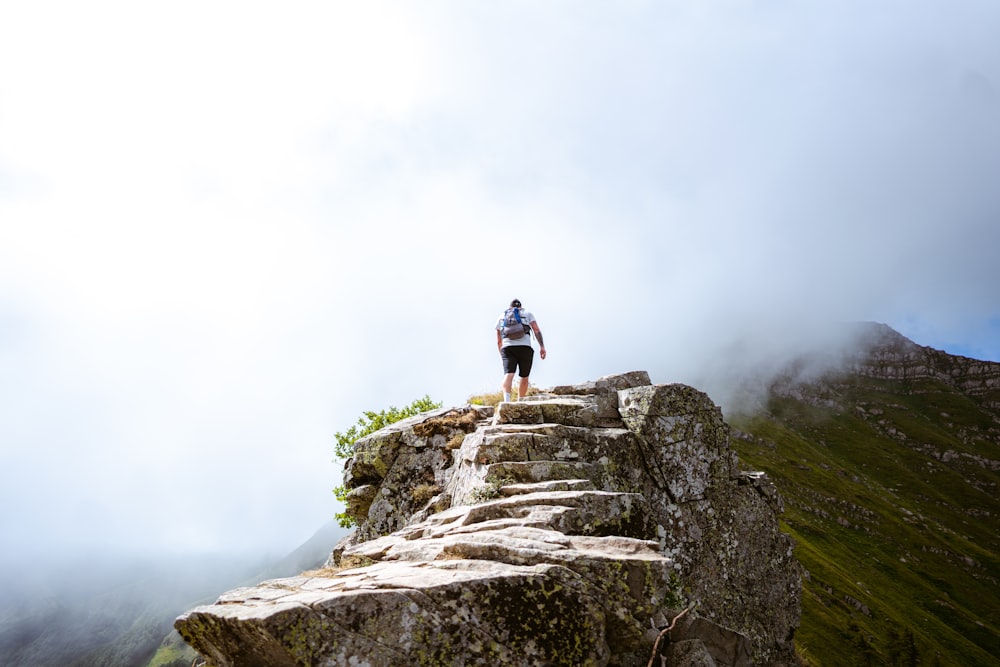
[(889, 469)]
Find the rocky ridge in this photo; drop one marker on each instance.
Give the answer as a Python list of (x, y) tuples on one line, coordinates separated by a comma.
[(567, 529), (883, 353)]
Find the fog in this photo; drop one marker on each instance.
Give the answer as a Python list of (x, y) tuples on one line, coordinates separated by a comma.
[(226, 230)]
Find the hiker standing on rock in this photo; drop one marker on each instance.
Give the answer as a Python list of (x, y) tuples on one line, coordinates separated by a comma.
[(514, 329)]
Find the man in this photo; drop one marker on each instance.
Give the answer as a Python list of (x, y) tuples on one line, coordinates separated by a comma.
[(514, 329)]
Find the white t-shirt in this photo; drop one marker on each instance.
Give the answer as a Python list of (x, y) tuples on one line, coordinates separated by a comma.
[(526, 318)]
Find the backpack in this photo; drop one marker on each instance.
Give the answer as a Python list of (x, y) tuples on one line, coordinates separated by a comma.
[(513, 327)]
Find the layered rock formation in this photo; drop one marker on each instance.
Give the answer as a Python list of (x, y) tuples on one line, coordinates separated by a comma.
[(885, 354), (567, 529)]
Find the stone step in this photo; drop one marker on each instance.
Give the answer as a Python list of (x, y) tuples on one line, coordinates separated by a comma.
[(543, 442), (598, 513), (605, 385), (513, 544), (586, 411), (526, 473), (550, 485)]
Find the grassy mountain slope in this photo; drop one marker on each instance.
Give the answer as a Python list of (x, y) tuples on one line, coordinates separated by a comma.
[(889, 469)]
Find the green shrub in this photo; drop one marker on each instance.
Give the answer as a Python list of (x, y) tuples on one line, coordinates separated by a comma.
[(368, 423)]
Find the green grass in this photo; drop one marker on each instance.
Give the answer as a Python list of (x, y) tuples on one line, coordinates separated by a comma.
[(901, 546)]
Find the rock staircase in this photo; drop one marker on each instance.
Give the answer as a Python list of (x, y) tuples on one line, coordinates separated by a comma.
[(566, 529)]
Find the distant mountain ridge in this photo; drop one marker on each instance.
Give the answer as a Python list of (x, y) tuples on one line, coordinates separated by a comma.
[(886, 354), (889, 464)]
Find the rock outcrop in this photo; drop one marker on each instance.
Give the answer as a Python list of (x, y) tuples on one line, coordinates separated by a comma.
[(567, 529)]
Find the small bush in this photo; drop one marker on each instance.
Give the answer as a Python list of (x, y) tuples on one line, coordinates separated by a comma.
[(424, 492), (367, 424), (370, 422)]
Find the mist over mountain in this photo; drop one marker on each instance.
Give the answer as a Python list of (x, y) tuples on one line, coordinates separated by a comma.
[(177, 257), (111, 610)]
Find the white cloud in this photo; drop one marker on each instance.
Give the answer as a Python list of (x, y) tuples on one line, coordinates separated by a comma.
[(194, 198)]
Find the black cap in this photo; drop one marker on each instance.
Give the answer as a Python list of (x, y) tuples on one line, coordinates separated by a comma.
[(516, 303)]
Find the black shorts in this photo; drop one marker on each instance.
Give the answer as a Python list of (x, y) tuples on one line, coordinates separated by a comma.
[(517, 356)]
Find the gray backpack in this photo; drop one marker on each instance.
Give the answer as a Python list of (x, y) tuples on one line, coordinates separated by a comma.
[(513, 327)]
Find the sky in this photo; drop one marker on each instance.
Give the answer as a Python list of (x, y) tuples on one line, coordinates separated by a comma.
[(228, 228)]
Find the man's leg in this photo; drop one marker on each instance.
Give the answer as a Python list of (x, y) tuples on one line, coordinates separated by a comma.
[(522, 389), (508, 380)]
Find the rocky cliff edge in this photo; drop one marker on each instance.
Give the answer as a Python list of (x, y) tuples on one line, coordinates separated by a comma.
[(571, 528)]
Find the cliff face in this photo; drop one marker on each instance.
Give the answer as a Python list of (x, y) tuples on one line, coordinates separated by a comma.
[(888, 355), (566, 529)]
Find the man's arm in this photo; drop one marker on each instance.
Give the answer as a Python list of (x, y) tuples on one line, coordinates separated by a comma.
[(541, 341), (499, 340)]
